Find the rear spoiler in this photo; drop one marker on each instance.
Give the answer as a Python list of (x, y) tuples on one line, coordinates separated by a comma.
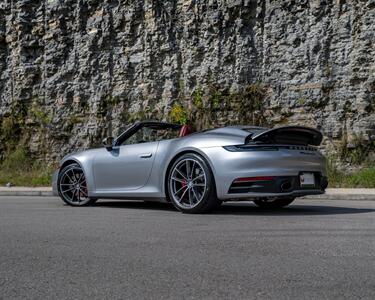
[(288, 135)]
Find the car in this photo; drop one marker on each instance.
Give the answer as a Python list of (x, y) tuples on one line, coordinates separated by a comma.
[(197, 171)]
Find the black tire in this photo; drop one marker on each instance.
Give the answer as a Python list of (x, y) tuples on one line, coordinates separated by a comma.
[(218, 203), (68, 196), (206, 200), (273, 203)]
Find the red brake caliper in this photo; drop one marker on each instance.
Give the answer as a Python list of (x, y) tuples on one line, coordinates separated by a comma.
[(184, 184)]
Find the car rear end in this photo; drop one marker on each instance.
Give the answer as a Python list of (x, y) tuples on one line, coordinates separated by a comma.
[(275, 163)]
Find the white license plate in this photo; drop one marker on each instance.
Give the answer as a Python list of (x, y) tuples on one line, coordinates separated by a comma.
[(307, 179)]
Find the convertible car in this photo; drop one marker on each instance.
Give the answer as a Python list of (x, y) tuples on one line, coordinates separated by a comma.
[(196, 172)]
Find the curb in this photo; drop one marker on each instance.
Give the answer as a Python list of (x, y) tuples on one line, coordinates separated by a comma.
[(27, 193), (358, 197)]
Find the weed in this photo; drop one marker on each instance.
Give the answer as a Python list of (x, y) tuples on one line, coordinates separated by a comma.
[(302, 101), (42, 117), (178, 114), (198, 98)]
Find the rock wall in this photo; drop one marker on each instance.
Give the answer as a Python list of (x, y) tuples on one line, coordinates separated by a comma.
[(72, 72)]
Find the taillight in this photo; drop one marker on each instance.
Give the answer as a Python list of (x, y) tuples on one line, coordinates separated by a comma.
[(257, 178)]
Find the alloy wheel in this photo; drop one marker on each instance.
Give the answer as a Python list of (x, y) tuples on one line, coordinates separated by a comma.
[(188, 183), (73, 187)]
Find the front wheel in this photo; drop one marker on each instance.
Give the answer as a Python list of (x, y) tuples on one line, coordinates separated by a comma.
[(273, 202), (72, 186), (191, 185)]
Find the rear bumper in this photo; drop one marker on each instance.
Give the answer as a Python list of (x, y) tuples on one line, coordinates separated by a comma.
[(295, 193), (54, 183), (278, 186), (281, 165)]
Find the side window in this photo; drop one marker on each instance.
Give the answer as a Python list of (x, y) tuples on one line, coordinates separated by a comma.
[(150, 134)]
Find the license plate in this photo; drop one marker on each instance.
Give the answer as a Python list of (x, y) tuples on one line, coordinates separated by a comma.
[(307, 179)]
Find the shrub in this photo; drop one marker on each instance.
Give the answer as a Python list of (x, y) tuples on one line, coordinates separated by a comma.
[(178, 114)]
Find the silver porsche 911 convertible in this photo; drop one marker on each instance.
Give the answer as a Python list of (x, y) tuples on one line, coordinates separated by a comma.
[(197, 171)]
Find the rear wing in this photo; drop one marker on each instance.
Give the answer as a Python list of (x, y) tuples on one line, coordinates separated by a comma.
[(288, 135)]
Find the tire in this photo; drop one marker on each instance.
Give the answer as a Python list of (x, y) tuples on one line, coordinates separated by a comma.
[(72, 187), (191, 185), (273, 203)]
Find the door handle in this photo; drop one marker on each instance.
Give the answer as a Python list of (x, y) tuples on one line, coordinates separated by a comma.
[(145, 155)]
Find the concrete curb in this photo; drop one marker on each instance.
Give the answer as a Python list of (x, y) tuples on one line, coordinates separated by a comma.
[(363, 197), (332, 194), (26, 193)]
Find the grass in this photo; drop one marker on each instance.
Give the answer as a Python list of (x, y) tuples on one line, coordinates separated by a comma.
[(364, 178), (19, 169)]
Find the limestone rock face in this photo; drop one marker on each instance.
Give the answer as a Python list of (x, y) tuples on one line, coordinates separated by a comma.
[(72, 72)]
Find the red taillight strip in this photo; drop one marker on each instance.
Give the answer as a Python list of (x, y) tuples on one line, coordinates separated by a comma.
[(258, 178)]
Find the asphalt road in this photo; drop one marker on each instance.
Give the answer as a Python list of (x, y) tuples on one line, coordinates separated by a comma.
[(315, 249)]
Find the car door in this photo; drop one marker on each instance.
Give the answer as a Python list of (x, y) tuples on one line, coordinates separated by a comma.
[(125, 167)]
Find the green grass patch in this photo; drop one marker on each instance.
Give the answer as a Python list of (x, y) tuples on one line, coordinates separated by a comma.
[(364, 178), (19, 169)]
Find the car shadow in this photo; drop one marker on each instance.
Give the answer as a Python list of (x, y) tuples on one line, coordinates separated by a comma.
[(296, 209), (138, 204), (243, 208)]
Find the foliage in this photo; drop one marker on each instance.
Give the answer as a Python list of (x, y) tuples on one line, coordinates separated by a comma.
[(364, 178), (19, 169), (198, 100), (178, 114), (42, 117), (215, 99), (8, 127), (251, 98), (12, 125)]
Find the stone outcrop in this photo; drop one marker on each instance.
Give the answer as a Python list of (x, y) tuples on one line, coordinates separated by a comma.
[(72, 72)]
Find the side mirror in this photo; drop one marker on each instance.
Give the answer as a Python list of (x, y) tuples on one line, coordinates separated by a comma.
[(108, 143)]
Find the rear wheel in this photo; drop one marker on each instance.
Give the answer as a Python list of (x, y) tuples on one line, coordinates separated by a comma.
[(273, 202), (191, 185), (72, 186)]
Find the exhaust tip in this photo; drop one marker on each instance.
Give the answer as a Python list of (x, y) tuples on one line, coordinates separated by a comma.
[(286, 186)]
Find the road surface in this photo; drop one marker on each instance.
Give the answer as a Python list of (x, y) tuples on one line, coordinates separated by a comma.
[(315, 249)]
